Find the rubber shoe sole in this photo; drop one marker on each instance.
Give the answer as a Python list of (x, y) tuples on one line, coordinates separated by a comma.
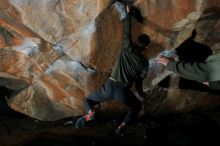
[(80, 122)]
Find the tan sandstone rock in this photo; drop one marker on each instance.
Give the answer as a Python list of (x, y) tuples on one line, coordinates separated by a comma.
[(62, 50)]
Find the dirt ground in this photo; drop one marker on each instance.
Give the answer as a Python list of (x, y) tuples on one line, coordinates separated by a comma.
[(193, 128)]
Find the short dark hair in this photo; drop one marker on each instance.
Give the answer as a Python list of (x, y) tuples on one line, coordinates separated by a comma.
[(142, 41)]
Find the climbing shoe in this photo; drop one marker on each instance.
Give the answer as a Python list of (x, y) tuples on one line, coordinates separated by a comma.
[(88, 117)]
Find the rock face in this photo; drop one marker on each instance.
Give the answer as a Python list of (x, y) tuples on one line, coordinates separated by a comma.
[(61, 51)]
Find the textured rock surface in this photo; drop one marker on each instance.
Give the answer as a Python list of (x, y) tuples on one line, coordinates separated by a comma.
[(62, 50)]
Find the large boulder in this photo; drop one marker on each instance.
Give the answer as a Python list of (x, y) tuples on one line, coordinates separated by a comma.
[(61, 51)]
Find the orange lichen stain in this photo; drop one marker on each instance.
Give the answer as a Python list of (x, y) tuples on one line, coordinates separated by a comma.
[(17, 42), (55, 90), (16, 26), (2, 42), (9, 10), (13, 42)]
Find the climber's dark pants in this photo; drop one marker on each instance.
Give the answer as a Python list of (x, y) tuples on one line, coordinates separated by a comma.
[(114, 90)]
